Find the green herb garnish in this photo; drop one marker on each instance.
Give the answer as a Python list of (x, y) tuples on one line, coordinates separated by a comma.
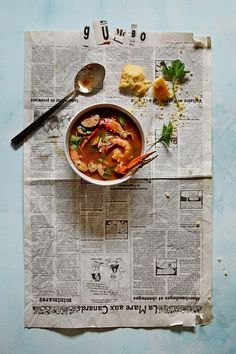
[(167, 131), (165, 138), (101, 135), (74, 139), (85, 130), (174, 72), (122, 120), (108, 172), (102, 158), (74, 147)]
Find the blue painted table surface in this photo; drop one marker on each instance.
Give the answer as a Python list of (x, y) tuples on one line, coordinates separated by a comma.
[(203, 17)]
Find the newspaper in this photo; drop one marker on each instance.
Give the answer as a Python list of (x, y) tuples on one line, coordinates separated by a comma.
[(131, 255)]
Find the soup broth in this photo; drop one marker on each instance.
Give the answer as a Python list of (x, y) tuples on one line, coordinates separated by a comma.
[(104, 143)]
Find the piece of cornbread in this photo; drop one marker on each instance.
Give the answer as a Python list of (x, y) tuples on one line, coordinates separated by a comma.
[(132, 80), (160, 89)]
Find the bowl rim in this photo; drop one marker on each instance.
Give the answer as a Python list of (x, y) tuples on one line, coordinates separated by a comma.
[(66, 141)]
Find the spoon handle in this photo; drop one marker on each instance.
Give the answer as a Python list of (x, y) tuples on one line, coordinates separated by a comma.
[(19, 138)]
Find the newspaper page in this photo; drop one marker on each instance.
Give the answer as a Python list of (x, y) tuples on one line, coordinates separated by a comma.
[(136, 254)]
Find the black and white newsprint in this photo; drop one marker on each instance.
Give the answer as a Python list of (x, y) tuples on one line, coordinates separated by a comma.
[(132, 255)]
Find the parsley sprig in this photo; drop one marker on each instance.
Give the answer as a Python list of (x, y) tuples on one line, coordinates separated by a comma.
[(108, 171), (176, 73), (75, 141), (166, 134), (167, 131)]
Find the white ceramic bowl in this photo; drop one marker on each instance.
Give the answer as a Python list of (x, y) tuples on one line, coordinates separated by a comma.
[(67, 136)]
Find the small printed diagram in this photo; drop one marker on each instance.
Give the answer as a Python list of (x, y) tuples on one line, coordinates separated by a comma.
[(115, 267), (165, 266), (191, 199), (110, 269), (104, 279), (116, 229), (95, 273), (173, 139)]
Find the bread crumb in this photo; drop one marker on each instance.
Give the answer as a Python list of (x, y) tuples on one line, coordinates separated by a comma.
[(198, 223), (181, 106), (131, 110)]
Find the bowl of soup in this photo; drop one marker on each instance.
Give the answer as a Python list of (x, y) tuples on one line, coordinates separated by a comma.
[(103, 143)]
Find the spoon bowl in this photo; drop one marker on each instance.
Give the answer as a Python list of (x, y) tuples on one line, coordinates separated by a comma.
[(87, 81), (90, 78)]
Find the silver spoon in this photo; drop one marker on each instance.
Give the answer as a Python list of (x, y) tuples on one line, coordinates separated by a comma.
[(87, 81)]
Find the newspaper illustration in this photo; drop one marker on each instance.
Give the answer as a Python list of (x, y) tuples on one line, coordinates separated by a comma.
[(136, 254)]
